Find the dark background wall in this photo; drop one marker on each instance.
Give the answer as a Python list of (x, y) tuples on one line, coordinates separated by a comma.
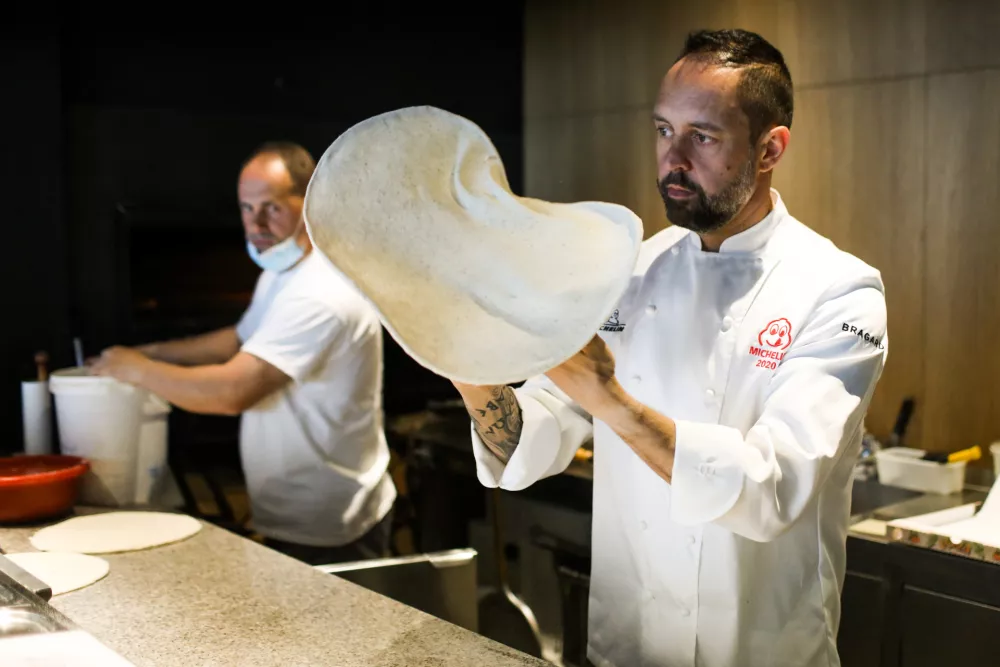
[(121, 142)]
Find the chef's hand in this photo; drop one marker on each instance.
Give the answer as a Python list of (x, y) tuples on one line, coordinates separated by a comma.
[(588, 377), (121, 363)]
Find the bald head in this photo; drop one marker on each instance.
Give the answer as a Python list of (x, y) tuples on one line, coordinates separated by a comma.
[(270, 169), (271, 191), (298, 162)]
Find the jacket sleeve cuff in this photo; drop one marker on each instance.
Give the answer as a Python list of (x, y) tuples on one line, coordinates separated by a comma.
[(534, 456), (707, 479)]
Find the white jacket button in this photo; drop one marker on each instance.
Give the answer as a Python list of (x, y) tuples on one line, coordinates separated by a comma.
[(637, 379), (650, 309), (727, 323), (685, 612), (674, 250), (643, 525), (692, 539)]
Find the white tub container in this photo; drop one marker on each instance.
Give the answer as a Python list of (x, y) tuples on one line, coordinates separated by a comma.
[(100, 419), (903, 467), (151, 459)]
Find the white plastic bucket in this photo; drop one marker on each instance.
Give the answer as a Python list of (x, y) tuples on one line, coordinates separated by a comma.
[(100, 419), (151, 460), (904, 467)]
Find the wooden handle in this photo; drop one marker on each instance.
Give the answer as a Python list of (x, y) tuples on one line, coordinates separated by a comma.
[(41, 364)]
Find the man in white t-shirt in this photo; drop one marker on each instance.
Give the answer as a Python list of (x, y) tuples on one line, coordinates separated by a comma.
[(304, 368)]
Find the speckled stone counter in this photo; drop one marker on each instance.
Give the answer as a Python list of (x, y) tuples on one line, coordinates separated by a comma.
[(218, 599)]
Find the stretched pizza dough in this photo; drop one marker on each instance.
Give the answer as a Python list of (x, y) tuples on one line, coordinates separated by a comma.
[(63, 572), (475, 283), (115, 531)]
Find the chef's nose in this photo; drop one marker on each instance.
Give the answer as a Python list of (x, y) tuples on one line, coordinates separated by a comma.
[(676, 159)]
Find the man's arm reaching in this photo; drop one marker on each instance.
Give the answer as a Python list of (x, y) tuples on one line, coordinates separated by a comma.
[(496, 415)]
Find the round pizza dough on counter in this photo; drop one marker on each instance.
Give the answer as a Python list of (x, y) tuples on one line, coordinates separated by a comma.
[(115, 531), (63, 572)]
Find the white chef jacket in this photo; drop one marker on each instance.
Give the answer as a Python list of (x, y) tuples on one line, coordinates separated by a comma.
[(314, 452), (766, 355)]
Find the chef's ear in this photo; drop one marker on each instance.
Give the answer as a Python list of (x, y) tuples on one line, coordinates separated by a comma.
[(772, 146)]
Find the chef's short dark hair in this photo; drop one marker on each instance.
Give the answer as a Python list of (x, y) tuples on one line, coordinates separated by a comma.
[(765, 87), (297, 160)]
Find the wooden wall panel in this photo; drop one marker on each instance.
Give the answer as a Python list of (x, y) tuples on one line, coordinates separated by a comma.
[(604, 157), (847, 40), (597, 55), (962, 269), (549, 151), (549, 65), (586, 56), (963, 34), (854, 173), (895, 164)]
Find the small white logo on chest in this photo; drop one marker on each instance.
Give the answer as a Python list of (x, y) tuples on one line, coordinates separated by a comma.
[(613, 324)]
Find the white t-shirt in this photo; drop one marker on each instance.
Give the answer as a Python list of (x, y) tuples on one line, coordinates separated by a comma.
[(314, 452)]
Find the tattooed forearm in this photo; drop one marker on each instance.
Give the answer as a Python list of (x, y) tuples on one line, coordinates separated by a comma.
[(498, 421)]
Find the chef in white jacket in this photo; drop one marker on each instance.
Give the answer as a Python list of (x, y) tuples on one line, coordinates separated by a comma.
[(725, 396)]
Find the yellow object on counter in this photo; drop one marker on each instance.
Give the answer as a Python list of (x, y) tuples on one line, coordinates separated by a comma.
[(970, 454)]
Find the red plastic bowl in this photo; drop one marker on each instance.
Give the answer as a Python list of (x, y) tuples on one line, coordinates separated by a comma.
[(39, 487)]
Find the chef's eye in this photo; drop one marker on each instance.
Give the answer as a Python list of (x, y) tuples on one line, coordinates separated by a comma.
[(664, 131), (703, 139)]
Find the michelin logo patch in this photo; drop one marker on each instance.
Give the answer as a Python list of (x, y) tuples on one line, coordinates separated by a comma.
[(613, 324)]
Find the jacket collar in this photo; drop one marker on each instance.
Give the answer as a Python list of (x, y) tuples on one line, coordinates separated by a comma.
[(754, 239)]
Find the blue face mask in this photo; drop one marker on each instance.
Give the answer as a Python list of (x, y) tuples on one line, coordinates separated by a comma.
[(279, 257)]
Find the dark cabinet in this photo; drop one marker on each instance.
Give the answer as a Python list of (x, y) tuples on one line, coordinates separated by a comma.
[(862, 611), (903, 606), (944, 630)]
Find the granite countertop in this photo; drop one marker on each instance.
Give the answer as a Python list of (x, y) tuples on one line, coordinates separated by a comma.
[(219, 599), (875, 502)]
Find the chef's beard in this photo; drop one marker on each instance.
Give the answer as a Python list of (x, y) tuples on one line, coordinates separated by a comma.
[(708, 213)]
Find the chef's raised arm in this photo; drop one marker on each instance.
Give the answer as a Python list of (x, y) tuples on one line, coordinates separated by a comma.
[(520, 436), (759, 484)]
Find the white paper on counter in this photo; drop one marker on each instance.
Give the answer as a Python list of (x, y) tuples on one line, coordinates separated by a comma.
[(984, 527), (990, 510), (48, 649), (874, 527), (963, 522)]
